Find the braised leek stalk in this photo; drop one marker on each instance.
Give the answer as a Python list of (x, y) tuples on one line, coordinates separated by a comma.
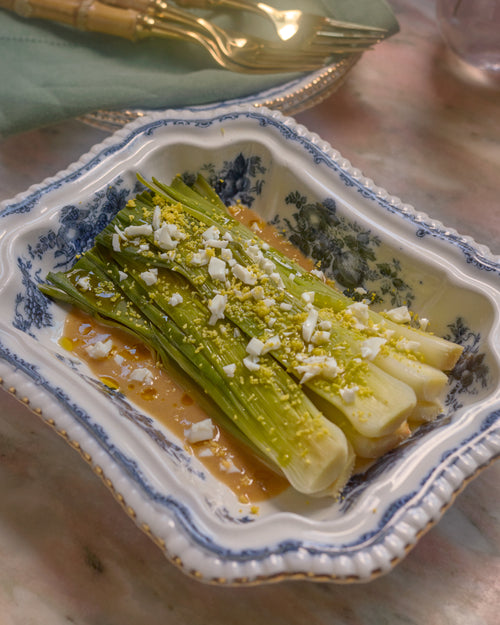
[(433, 350), (267, 407), (257, 303), (301, 372), (416, 357)]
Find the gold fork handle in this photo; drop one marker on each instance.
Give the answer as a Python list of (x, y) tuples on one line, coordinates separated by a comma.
[(88, 15)]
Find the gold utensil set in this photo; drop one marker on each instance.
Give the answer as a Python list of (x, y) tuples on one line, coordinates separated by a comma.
[(303, 41)]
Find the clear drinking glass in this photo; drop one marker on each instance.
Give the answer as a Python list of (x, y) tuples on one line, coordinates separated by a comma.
[(471, 28)]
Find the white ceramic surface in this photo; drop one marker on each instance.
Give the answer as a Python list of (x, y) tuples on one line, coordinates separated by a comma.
[(265, 159)]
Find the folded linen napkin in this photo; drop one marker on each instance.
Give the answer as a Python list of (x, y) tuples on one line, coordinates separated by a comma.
[(50, 72)]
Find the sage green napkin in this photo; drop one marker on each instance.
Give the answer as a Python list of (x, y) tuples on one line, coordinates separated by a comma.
[(50, 72)]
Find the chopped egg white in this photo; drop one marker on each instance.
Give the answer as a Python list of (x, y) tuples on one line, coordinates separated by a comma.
[(251, 363), (200, 431), (163, 238), (243, 274), (84, 283), (150, 276), (360, 312), (205, 453), (229, 370), (255, 347), (137, 231), (142, 374), (215, 243), (217, 268), (212, 233), (156, 217), (348, 393), (175, 299), (371, 347), (324, 366), (227, 255), (423, 323), (258, 293), (120, 234), (309, 325), (200, 258), (319, 274), (227, 465), (320, 337), (216, 306), (401, 314), (254, 252), (267, 265), (308, 297), (276, 278), (115, 242), (100, 349), (406, 345), (271, 343), (170, 255)]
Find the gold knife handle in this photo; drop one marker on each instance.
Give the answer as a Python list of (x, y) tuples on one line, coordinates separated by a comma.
[(88, 15), (243, 5), (144, 6)]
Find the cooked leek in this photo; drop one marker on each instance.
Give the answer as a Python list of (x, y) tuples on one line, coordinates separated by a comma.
[(258, 304), (267, 407), (433, 350), (276, 348), (415, 357)]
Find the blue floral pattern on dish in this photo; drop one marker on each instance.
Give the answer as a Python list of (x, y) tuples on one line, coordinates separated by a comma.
[(77, 228), (344, 250), (31, 308), (238, 180)]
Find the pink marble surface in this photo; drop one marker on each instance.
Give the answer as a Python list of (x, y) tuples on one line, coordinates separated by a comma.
[(68, 553)]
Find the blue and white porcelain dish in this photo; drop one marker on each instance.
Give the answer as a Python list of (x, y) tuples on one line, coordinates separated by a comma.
[(365, 238)]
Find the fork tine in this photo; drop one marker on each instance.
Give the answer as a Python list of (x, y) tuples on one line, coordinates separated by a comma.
[(351, 26), (333, 39), (276, 61), (332, 35), (325, 44)]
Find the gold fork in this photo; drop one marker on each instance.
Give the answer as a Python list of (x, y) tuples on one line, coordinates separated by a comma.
[(296, 25), (295, 28), (334, 40), (232, 51)]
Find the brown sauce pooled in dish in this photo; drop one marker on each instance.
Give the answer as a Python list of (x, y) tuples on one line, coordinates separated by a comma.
[(164, 400), (269, 234)]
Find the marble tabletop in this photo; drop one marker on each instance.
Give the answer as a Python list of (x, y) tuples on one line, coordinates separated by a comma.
[(410, 119)]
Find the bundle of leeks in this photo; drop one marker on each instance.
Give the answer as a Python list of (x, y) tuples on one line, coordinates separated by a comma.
[(310, 379)]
